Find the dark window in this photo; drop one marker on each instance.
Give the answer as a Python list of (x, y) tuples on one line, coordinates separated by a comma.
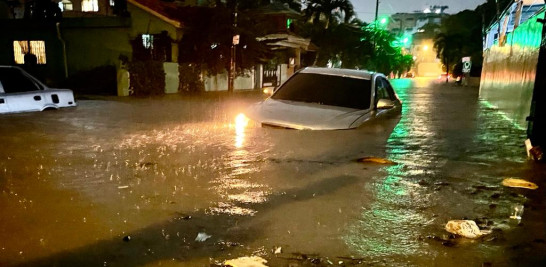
[(14, 81), (326, 90), (55, 99)]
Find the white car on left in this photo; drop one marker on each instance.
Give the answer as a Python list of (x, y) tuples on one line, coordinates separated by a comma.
[(20, 92)]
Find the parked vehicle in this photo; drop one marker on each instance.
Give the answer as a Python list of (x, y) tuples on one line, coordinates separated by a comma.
[(327, 99), (20, 92)]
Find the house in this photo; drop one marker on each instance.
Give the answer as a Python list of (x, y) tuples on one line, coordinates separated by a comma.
[(94, 37)]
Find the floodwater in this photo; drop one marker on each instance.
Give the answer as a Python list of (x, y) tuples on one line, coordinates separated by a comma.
[(134, 182)]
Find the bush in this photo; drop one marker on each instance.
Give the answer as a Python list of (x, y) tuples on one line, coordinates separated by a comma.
[(147, 77), (98, 81), (190, 79)]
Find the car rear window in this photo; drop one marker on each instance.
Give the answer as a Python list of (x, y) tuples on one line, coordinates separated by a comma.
[(14, 81), (329, 90)]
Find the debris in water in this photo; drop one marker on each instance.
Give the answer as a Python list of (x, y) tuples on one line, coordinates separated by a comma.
[(465, 228), (201, 237), (253, 261), (376, 160), (123, 186), (534, 152), (517, 212), (278, 250), (513, 182), (127, 238)]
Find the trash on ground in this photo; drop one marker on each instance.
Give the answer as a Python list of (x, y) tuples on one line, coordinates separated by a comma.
[(375, 160), (517, 211), (514, 182), (253, 261), (534, 152), (201, 237), (465, 228)]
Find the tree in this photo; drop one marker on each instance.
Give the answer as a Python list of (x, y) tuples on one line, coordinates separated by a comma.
[(329, 11), (448, 49)]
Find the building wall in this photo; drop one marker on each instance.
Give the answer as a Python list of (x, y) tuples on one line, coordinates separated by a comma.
[(107, 37), (509, 71)]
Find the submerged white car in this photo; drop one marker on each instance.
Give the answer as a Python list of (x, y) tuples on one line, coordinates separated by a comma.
[(327, 99), (20, 92)]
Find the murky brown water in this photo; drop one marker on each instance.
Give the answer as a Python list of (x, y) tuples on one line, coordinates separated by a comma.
[(125, 182)]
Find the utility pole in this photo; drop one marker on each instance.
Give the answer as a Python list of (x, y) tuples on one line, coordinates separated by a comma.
[(375, 23), (233, 56)]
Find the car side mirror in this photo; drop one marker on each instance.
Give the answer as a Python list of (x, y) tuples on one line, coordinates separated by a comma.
[(385, 104)]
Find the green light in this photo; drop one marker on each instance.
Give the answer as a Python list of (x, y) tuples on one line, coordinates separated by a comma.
[(383, 21), (288, 23), (405, 41)]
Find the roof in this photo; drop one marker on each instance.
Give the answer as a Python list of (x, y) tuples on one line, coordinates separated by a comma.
[(158, 9), (361, 74), (280, 40)]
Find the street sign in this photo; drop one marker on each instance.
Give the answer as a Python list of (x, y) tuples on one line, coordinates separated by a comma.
[(467, 64)]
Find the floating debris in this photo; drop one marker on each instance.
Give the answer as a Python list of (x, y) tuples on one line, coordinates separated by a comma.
[(202, 237), (123, 186), (376, 160), (278, 250), (465, 228), (520, 183), (127, 238), (253, 261)]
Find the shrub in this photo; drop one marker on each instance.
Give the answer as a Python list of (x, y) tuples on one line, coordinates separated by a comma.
[(147, 77), (190, 79), (98, 81)]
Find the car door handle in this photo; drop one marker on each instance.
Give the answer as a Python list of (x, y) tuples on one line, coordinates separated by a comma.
[(37, 98)]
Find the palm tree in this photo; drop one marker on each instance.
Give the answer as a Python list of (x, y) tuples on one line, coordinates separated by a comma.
[(448, 49), (329, 11)]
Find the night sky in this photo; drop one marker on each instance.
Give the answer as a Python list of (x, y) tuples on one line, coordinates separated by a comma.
[(365, 9)]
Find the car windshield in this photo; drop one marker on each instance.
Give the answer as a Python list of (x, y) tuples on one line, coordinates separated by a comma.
[(329, 90)]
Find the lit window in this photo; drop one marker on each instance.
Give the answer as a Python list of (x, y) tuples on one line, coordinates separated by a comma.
[(37, 48), (65, 5), (148, 41), (90, 5)]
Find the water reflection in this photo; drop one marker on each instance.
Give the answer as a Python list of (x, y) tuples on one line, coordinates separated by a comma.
[(241, 122)]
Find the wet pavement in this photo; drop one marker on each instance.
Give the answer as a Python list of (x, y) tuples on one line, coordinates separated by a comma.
[(134, 182)]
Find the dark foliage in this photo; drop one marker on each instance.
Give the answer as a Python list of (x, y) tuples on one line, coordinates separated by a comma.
[(190, 80), (101, 81), (147, 77)]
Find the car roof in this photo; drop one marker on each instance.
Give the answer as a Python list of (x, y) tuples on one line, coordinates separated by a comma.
[(361, 74)]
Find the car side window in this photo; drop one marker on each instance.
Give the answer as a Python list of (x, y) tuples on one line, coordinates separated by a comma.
[(14, 81), (390, 91)]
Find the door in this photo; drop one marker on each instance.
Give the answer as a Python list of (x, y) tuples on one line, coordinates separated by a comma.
[(20, 91)]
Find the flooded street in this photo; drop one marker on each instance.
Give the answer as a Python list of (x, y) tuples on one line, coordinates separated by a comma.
[(184, 181)]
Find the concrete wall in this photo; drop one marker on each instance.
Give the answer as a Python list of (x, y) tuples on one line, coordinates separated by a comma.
[(509, 71), (219, 82)]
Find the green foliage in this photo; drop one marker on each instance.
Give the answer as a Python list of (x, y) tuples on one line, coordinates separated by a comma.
[(190, 79), (147, 77), (208, 39)]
